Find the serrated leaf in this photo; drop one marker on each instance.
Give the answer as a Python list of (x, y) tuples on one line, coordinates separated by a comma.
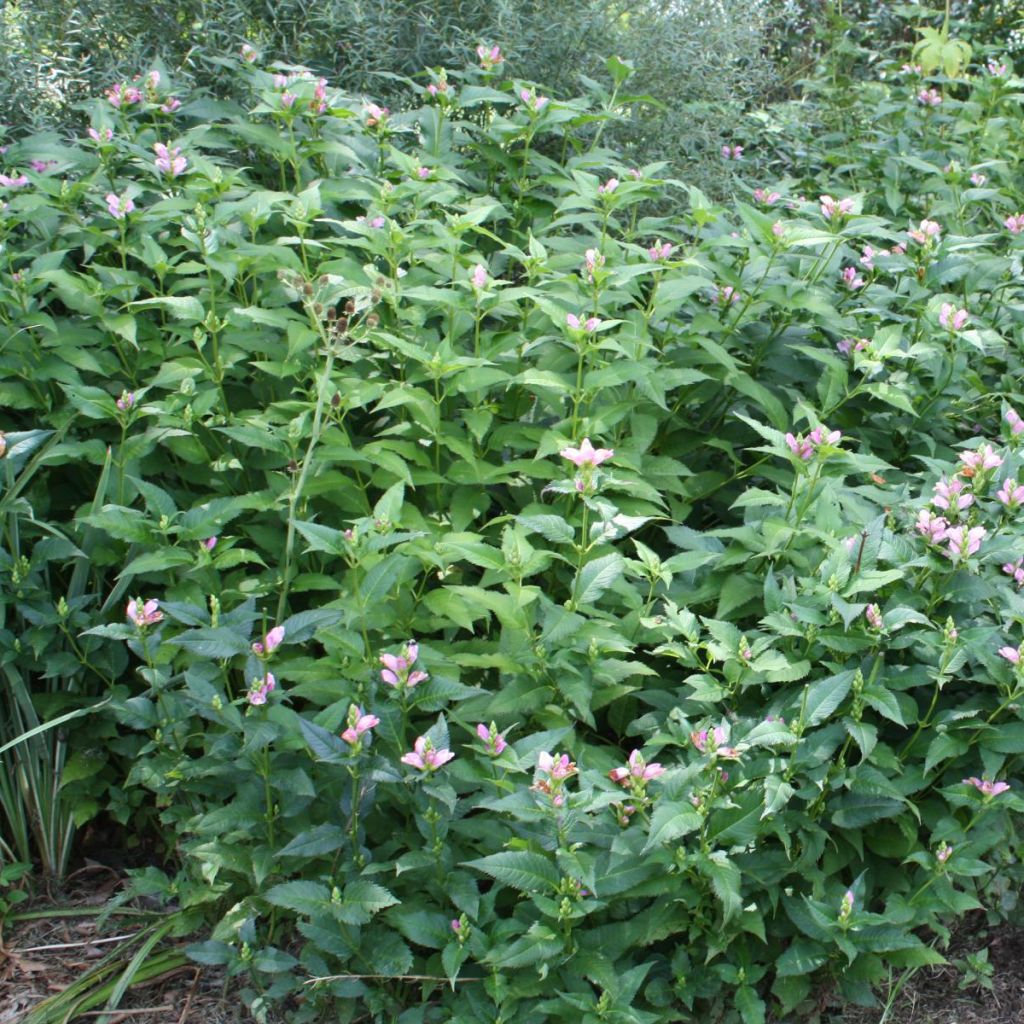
[(522, 870)]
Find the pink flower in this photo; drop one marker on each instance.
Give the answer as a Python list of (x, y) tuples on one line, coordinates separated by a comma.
[(288, 100), (532, 101), (495, 740), (732, 152), (210, 543), (423, 173), (270, 643), (933, 528), (636, 771), (144, 613), (943, 853), (397, 667), (996, 70), (778, 229), (126, 401), (358, 723), (1011, 654), (259, 688), (101, 136), (1015, 422), (375, 114), (800, 446), (725, 296), (319, 101), (17, 181), (424, 757), (1016, 570), (281, 81), (846, 905), (706, 742), (247, 53), (41, 166), (120, 96), (980, 460), (964, 542), (557, 766), (660, 251), (587, 454), (589, 325), (489, 56), (986, 788), (925, 232), (912, 69), (832, 209), (169, 161), (479, 276), (978, 179), (951, 318), (766, 197), (929, 97), (898, 249), (119, 206), (1015, 223), (170, 106), (851, 280), (874, 616), (593, 260), (950, 495), (867, 259), (608, 187)]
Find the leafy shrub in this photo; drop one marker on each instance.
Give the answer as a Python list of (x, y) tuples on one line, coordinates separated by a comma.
[(519, 606), (700, 61)]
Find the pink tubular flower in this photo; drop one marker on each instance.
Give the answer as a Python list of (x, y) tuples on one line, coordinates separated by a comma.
[(259, 688), (943, 853), (1015, 421), (247, 53), (926, 232), (397, 667), (479, 276), (932, 527), (951, 318), (144, 613), (874, 616), (587, 454), (495, 740), (766, 197), (126, 401), (732, 152), (833, 209), (589, 325), (1011, 654), (660, 251), (534, 103), (100, 136), (375, 114), (551, 774), (288, 100), (120, 95), (636, 773), (41, 166), (489, 56), (270, 643), (1015, 223), (425, 757), (708, 741), (1016, 570), (210, 543), (851, 280), (950, 495), (929, 97), (169, 161), (978, 179), (319, 101), (980, 460), (13, 181), (358, 723), (964, 542), (593, 260), (987, 789), (119, 206), (867, 258), (995, 70), (725, 296), (846, 905), (608, 187)]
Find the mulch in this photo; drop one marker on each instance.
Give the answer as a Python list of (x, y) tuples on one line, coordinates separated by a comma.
[(41, 956)]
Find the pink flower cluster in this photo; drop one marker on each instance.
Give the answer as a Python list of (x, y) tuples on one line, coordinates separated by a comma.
[(270, 642), (587, 454), (589, 325), (144, 613), (851, 278), (951, 318), (989, 790), (534, 103), (1011, 654), (1016, 570), (1014, 421), (358, 723), (636, 773), (13, 181), (425, 757), (926, 232), (767, 198), (608, 187), (100, 136), (260, 688), (929, 97), (713, 742), (660, 251), (119, 206), (964, 541), (725, 296), (550, 777), (833, 209), (494, 740), (169, 161), (489, 56), (806, 447), (732, 152), (397, 671), (1015, 223)]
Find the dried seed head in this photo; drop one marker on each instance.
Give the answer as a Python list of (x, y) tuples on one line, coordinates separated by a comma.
[(350, 306), (372, 320)]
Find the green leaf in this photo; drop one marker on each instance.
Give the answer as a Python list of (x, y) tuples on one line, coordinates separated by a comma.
[(825, 696), (725, 881), (315, 842), (750, 1005), (527, 872), (597, 576), (670, 821), (304, 897)]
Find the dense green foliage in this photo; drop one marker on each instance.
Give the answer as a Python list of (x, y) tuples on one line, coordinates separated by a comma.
[(732, 701)]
